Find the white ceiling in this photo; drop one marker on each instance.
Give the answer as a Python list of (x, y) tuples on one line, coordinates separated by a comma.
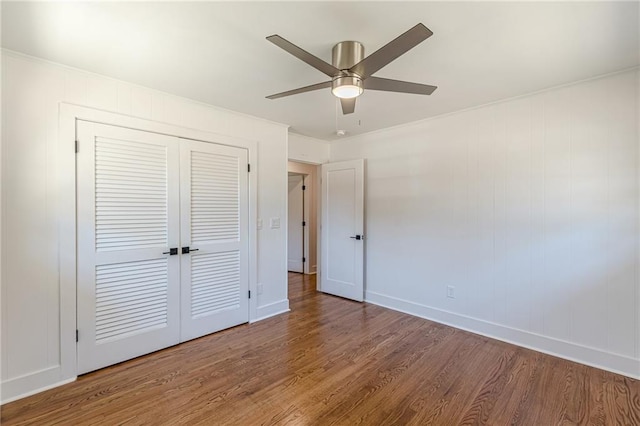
[(216, 52)]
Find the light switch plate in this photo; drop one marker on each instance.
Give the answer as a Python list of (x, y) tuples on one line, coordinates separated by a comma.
[(259, 223), (451, 292), (275, 222)]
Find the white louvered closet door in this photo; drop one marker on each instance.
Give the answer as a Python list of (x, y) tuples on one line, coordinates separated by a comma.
[(128, 216), (214, 225)]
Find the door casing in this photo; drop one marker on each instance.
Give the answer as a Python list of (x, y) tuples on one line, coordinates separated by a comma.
[(68, 117)]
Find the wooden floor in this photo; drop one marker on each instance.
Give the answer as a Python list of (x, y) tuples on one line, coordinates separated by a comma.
[(332, 361)]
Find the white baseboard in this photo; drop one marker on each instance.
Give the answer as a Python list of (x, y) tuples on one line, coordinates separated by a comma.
[(272, 309), (33, 383), (571, 351)]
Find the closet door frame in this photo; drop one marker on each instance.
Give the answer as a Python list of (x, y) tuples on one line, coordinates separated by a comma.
[(69, 115)]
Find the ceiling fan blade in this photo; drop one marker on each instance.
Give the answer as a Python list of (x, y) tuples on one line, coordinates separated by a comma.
[(301, 90), (348, 105), (305, 56), (391, 51), (387, 85)]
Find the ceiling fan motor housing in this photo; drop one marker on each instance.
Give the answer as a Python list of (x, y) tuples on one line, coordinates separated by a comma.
[(346, 54), (343, 56)]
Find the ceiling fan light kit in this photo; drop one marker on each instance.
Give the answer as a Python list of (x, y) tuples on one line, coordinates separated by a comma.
[(347, 87), (351, 72)]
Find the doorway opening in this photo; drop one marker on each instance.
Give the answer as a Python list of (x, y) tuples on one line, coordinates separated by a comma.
[(302, 217), (296, 253)]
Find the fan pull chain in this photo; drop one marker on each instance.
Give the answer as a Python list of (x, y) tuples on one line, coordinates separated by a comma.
[(337, 101)]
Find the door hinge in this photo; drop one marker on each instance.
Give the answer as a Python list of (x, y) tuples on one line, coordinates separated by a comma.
[(249, 294), (76, 335), (304, 223), (248, 168), (77, 147), (304, 187), (304, 259)]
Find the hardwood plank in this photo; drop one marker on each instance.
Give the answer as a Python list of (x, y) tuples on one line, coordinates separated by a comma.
[(334, 361)]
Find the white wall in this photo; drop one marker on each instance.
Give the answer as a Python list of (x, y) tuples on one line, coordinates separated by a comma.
[(528, 207), (307, 150), (31, 93)]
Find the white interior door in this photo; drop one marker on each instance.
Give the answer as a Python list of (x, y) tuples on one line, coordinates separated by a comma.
[(342, 241), (128, 219), (295, 230), (214, 192)]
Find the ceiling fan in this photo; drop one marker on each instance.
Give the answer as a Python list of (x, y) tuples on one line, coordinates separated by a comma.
[(351, 72)]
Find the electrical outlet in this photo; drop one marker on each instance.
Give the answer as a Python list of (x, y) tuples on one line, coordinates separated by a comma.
[(260, 288), (451, 292)]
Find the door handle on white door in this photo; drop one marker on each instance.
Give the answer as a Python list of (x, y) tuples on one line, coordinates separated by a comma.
[(358, 237), (186, 250), (171, 252)]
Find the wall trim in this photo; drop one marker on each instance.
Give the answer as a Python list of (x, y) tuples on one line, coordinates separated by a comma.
[(29, 384), (592, 357), (272, 309)]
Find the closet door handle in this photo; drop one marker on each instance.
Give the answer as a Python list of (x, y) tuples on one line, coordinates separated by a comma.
[(172, 251), (187, 250)]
